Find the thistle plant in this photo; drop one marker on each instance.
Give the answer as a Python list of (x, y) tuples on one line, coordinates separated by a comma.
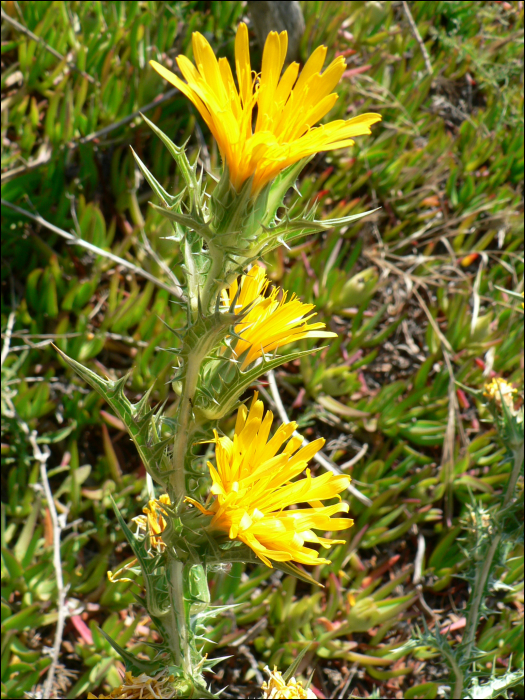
[(234, 333), (489, 537)]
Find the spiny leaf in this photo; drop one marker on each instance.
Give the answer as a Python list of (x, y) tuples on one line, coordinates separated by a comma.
[(280, 186), (189, 222), (147, 563), (132, 662), (168, 199), (346, 219), (227, 399), (188, 171), (496, 686), (149, 445)]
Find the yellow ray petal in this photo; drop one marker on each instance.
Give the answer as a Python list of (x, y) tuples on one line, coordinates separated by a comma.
[(255, 483), (270, 324), (242, 63), (288, 107)]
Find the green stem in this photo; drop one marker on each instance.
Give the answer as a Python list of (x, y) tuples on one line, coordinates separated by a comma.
[(517, 453), (195, 357), (196, 347), (458, 686), (179, 641), (483, 571), (213, 285), (180, 446), (191, 275)]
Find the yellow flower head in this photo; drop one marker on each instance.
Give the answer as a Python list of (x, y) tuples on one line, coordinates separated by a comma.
[(288, 107), (498, 388), (270, 322), (252, 485), (141, 687), (153, 520), (278, 688)]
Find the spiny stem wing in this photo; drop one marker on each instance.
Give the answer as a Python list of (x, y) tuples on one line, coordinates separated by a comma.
[(137, 418)]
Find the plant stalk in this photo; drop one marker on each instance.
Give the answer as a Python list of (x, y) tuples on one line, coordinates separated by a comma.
[(483, 571), (213, 286), (180, 447), (179, 641), (191, 279), (517, 454), (195, 354), (458, 686), (195, 357)]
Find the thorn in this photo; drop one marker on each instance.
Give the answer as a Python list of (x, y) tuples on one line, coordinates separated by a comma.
[(218, 304), (234, 334), (233, 305), (283, 242), (117, 387), (173, 351), (175, 331)]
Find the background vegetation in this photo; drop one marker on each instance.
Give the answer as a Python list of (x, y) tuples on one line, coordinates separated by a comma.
[(414, 292)]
